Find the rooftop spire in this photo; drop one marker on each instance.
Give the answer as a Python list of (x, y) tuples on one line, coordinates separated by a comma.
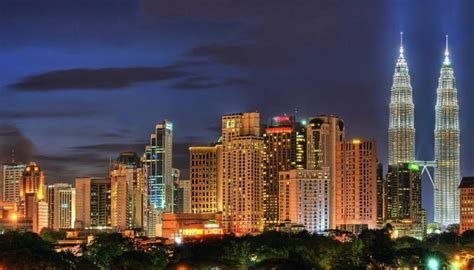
[(401, 43), (446, 53)]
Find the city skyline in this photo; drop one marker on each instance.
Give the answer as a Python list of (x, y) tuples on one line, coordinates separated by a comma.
[(70, 125)]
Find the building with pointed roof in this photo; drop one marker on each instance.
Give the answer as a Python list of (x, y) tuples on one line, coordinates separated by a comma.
[(401, 131), (447, 146)]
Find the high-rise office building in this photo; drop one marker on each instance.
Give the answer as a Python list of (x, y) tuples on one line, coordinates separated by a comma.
[(242, 173), (183, 195), (31, 190), (61, 199), (323, 133), (93, 202), (404, 191), (401, 130), (120, 200), (175, 175), (404, 210), (158, 159), (205, 176), (285, 144), (356, 185), (128, 193), (466, 204), (381, 193), (40, 216), (304, 198), (11, 181), (447, 147)]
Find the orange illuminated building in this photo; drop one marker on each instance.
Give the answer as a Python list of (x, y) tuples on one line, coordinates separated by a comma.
[(242, 172), (32, 203), (33, 181), (178, 226), (284, 143), (356, 185), (466, 189), (205, 175)]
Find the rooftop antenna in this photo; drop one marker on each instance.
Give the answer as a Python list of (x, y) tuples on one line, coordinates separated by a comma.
[(13, 155)]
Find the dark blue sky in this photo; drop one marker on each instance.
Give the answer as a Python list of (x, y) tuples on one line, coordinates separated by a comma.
[(82, 80)]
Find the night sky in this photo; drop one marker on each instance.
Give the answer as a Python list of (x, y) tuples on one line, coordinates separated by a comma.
[(83, 80)]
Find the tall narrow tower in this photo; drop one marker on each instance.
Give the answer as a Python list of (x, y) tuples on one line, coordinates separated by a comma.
[(447, 172), (401, 131)]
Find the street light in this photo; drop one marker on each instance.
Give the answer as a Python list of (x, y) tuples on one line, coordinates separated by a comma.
[(433, 264)]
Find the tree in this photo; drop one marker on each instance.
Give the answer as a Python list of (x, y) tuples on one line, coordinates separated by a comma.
[(237, 254), (106, 247), (378, 247), (467, 237), (133, 260), (26, 250), (51, 235)]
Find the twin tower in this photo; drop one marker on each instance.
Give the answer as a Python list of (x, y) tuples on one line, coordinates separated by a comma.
[(401, 135)]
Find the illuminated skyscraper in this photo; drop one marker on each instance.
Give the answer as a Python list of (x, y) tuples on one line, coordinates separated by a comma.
[(93, 206), (403, 195), (31, 189), (12, 178), (401, 131), (61, 206), (242, 173), (128, 193), (381, 194), (304, 198), (158, 159), (323, 134), (466, 204), (284, 150), (205, 172), (447, 156), (356, 185)]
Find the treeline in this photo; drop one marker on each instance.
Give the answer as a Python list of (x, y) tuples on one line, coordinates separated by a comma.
[(26, 250), (277, 250), (372, 248)]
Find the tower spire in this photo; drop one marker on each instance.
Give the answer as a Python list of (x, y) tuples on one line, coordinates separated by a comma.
[(401, 43), (446, 53)]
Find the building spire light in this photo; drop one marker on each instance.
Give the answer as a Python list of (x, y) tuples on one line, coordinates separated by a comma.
[(401, 43), (446, 53)]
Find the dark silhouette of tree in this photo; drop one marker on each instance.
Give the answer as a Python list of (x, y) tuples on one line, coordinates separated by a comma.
[(135, 260), (51, 235), (467, 237), (26, 250), (378, 247), (106, 247)]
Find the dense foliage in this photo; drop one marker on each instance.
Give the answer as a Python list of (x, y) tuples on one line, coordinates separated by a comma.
[(372, 248)]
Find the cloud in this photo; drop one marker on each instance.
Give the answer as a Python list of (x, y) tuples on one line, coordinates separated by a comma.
[(111, 148), (66, 167), (111, 135), (94, 79), (251, 56), (205, 82), (276, 33), (45, 114)]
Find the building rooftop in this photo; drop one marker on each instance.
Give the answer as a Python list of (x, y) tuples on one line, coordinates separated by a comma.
[(467, 182)]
